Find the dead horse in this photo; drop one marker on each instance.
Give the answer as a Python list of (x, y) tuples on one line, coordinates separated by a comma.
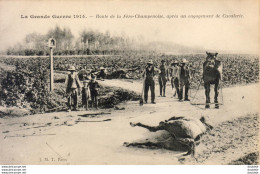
[(186, 131), (212, 74)]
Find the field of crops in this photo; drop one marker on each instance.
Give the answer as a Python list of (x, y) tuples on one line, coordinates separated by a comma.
[(25, 82), (237, 69)]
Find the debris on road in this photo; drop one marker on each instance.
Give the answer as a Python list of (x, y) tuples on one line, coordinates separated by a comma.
[(93, 120), (93, 114)]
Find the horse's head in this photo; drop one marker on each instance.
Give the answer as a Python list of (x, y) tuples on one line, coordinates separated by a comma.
[(210, 59), (211, 56)]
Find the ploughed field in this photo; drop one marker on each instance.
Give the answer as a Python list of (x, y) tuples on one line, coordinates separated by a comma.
[(25, 81)]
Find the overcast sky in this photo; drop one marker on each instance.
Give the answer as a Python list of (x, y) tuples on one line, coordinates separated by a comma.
[(240, 34)]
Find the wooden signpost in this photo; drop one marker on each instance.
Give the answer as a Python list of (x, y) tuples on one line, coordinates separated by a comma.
[(51, 44)]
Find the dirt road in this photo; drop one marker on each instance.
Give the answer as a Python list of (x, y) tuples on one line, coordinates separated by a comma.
[(77, 138)]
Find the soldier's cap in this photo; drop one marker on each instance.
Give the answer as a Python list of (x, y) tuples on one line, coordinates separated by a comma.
[(184, 61), (150, 62), (85, 81), (163, 61), (102, 68), (72, 68)]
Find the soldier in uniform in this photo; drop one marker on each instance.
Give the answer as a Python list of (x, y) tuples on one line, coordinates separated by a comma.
[(94, 90), (162, 78), (174, 77), (184, 76), (85, 94), (72, 84), (103, 73), (149, 75)]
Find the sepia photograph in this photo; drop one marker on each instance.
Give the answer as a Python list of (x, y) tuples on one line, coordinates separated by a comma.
[(120, 82)]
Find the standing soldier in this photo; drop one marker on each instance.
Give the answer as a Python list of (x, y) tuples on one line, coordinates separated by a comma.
[(94, 90), (72, 84), (85, 94), (184, 76), (173, 74), (162, 78), (149, 74)]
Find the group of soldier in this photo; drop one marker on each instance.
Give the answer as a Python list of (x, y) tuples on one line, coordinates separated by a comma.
[(73, 87), (177, 73)]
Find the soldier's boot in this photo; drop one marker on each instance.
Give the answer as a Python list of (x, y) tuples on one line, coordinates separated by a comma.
[(180, 95), (145, 98), (186, 94), (174, 94), (207, 106), (164, 94), (69, 104), (96, 104), (75, 107), (178, 92), (69, 107)]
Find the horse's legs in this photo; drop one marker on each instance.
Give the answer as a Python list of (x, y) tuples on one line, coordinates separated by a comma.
[(166, 144), (175, 118), (188, 142), (149, 144), (207, 91), (216, 88), (150, 128)]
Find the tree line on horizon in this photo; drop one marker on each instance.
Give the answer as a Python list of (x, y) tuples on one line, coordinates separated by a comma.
[(89, 42)]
